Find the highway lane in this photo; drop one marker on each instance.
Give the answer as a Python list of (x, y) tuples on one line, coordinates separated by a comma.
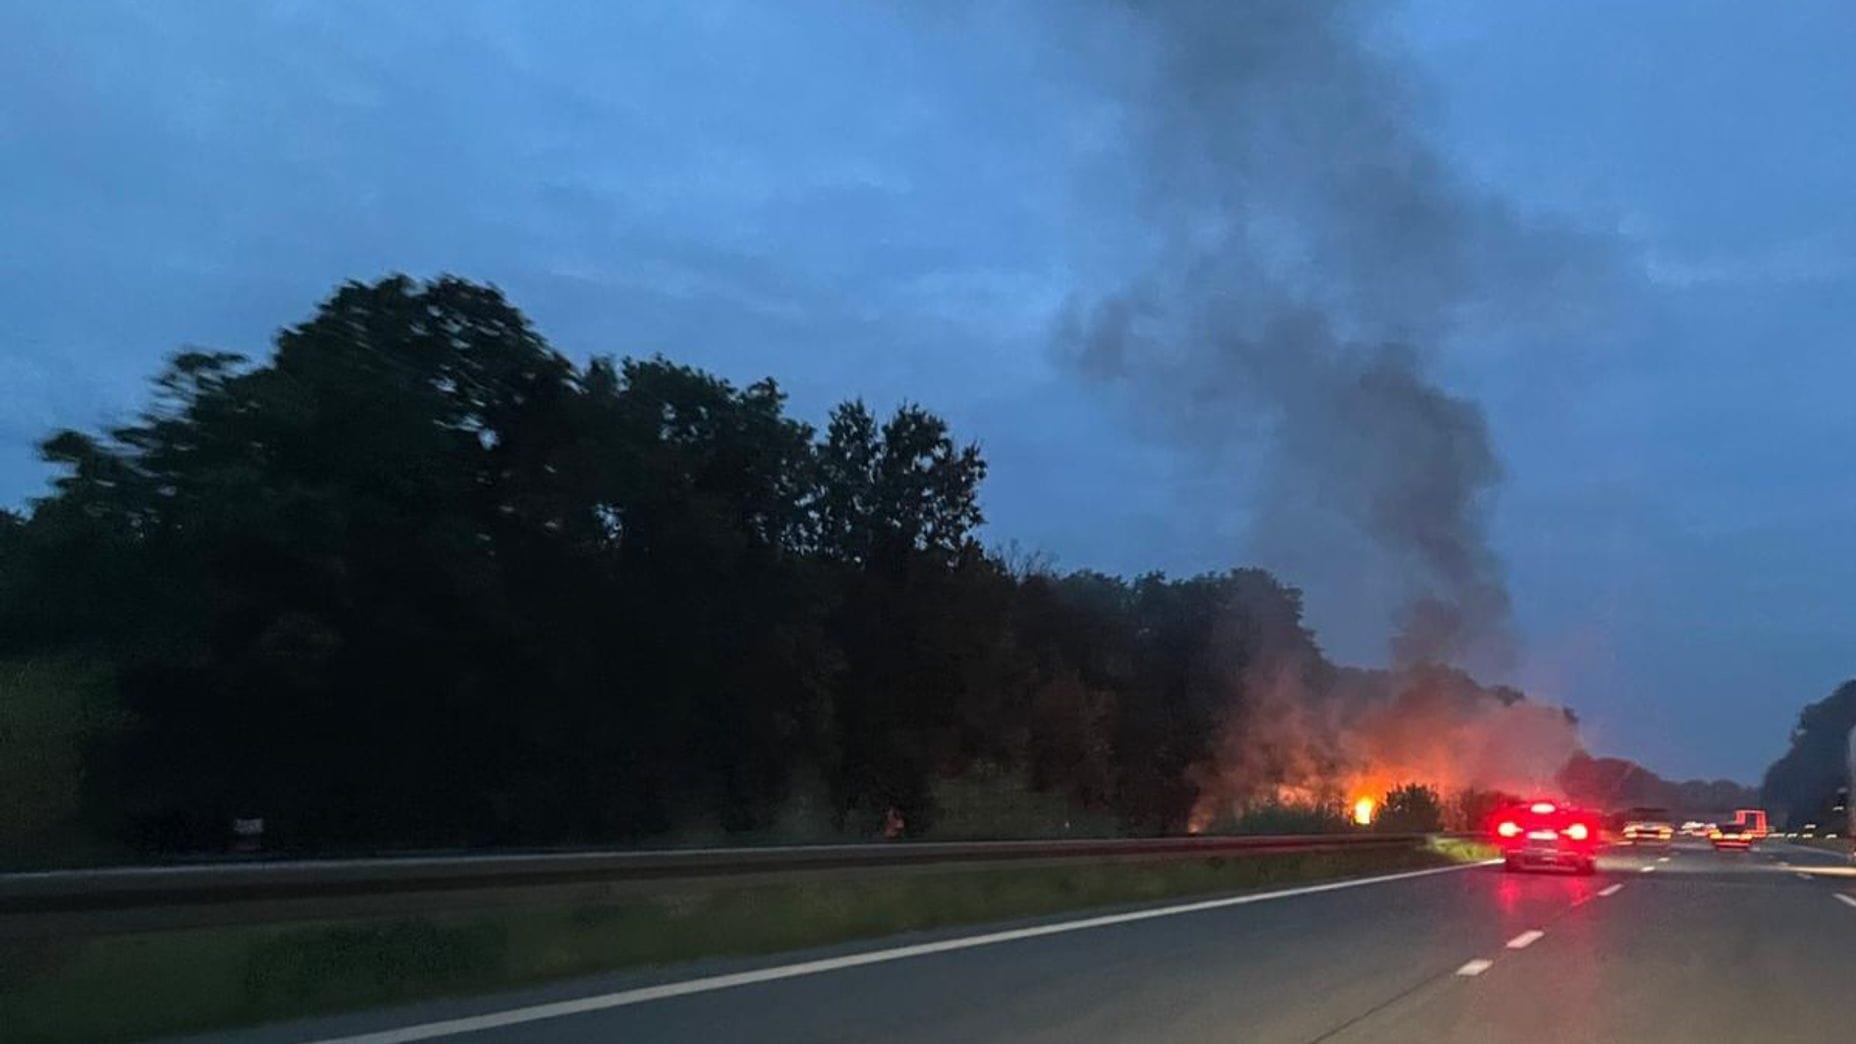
[(1687, 945), (1706, 947)]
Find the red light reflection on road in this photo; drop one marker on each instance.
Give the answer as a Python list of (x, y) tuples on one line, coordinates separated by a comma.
[(1508, 894), (1553, 888)]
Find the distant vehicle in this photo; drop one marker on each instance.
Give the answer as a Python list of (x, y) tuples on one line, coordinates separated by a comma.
[(1648, 832), (1547, 834), (1732, 835), (1753, 819)]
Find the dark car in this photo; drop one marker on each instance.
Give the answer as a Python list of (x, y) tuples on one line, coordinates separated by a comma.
[(1732, 836)]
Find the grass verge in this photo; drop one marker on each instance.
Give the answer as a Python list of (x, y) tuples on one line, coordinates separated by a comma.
[(1460, 850), (129, 987)]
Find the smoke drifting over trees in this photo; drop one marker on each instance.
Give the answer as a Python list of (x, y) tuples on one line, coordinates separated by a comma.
[(1311, 253), (418, 578), (1310, 248)]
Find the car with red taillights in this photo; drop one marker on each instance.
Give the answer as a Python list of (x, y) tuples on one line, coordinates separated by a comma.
[(1648, 832), (1733, 835), (1546, 834)]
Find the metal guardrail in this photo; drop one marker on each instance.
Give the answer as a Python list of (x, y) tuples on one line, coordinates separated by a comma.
[(134, 898)]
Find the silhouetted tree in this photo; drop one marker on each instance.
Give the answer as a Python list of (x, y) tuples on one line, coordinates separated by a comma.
[(1410, 809), (914, 625), (1802, 783)]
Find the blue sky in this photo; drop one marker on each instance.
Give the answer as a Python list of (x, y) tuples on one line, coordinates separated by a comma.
[(897, 202)]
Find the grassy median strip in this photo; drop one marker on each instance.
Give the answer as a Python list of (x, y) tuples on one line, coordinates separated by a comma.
[(128, 987)]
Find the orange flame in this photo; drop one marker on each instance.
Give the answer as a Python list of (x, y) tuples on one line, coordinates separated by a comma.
[(1363, 810)]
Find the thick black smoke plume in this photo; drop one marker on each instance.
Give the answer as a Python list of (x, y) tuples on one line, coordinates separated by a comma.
[(1308, 249)]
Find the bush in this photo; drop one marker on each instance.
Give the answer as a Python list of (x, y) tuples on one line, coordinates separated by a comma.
[(54, 714), (1281, 818), (1410, 809)]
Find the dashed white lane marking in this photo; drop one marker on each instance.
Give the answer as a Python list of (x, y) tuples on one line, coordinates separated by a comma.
[(1846, 900), (1475, 967), (1526, 939), (1646, 869), (1662, 859), (1802, 876), (624, 998), (1611, 891)]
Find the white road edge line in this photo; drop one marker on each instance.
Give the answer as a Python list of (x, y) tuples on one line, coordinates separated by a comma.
[(623, 998), (1611, 891), (1475, 967), (1526, 939), (1845, 899)]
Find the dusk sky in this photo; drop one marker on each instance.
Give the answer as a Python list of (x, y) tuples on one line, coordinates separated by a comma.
[(906, 201)]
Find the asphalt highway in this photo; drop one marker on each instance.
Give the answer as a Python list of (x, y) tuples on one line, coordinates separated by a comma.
[(1681, 945)]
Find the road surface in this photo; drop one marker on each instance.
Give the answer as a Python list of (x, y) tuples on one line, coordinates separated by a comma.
[(1687, 945)]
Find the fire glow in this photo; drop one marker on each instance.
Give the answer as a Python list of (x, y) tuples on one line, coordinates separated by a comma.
[(1367, 734)]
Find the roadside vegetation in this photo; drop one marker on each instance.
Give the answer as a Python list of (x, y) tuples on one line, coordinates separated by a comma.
[(1812, 782), (183, 981), (416, 580)]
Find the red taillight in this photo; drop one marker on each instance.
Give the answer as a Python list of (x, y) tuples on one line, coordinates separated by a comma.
[(1577, 832), (1509, 828)]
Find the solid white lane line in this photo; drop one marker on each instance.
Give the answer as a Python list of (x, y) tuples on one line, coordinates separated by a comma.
[(1526, 939), (1846, 900), (624, 998), (1613, 890), (1475, 967)]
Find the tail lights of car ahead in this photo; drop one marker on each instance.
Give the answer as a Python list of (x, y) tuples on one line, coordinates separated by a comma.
[(1731, 836), (1545, 820), (1546, 835), (1508, 828)]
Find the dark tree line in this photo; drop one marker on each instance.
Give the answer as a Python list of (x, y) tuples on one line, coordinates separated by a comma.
[(1811, 782), (1618, 783), (419, 579)]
